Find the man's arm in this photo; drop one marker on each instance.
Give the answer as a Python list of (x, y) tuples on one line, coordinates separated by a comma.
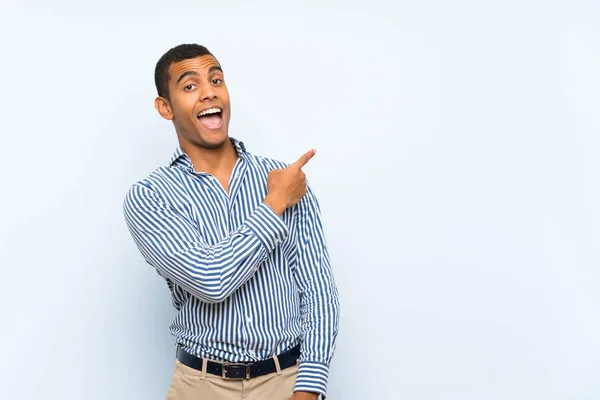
[(319, 299), (172, 245)]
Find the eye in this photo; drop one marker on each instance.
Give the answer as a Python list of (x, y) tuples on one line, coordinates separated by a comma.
[(189, 87), (217, 81)]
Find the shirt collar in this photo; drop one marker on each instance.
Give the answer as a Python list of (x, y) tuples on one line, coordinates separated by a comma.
[(180, 158)]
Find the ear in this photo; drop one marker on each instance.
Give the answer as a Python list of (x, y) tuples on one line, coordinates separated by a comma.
[(163, 106)]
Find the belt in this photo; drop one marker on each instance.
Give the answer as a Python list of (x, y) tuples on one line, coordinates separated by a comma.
[(239, 371)]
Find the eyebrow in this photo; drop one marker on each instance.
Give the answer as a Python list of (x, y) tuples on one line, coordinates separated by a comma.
[(188, 73)]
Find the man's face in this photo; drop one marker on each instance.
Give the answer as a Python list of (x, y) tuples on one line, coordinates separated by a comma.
[(199, 102)]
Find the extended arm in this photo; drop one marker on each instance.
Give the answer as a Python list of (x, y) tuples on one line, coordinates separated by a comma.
[(319, 300)]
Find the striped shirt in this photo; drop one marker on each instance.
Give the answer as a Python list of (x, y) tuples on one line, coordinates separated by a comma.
[(247, 283)]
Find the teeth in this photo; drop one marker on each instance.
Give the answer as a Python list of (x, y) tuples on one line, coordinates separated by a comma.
[(210, 111)]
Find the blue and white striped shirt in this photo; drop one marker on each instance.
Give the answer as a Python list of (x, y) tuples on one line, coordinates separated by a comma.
[(246, 282)]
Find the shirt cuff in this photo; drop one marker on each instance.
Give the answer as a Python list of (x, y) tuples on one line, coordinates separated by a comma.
[(312, 377), (268, 227)]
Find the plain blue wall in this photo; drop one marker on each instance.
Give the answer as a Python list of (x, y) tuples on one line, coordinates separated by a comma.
[(457, 172)]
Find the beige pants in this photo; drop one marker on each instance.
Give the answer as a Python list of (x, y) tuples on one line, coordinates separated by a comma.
[(191, 384)]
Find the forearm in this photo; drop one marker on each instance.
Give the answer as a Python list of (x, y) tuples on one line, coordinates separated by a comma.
[(214, 273), (321, 322), (175, 249)]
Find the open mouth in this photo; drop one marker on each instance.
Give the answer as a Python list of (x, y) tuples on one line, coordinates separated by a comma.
[(211, 118)]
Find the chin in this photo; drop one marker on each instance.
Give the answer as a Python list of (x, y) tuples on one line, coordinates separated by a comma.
[(214, 140)]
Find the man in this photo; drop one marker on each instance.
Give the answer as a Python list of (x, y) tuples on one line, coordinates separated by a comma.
[(239, 240)]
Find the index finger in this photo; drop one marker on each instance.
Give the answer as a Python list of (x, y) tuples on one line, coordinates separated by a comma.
[(304, 158)]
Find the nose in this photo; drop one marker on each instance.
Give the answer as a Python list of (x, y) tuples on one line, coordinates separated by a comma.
[(207, 92)]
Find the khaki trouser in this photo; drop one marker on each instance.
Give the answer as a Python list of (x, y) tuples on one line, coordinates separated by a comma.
[(191, 384)]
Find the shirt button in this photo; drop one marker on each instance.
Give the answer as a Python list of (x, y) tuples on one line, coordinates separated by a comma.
[(248, 320), (277, 241)]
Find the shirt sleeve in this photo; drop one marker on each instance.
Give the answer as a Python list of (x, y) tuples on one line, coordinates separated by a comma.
[(319, 300), (173, 245)]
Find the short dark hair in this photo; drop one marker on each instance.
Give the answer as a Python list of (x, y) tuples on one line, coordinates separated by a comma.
[(176, 54)]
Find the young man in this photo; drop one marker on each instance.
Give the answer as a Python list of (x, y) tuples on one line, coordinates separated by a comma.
[(239, 240)]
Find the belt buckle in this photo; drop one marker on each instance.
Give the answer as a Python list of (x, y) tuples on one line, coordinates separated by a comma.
[(224, 371)]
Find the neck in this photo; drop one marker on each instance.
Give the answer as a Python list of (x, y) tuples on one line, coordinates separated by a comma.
[(214, 161)]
